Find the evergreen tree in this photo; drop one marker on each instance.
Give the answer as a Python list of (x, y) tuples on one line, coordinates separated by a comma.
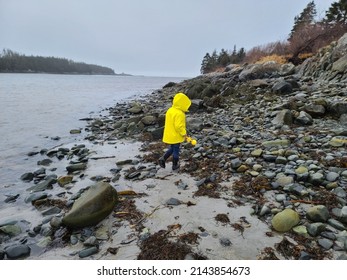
[(223, 58), (241, 54), (205, 64), (304, 20), (337, 13)]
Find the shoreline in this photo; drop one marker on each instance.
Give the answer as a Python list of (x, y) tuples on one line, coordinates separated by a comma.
[(249, 166)]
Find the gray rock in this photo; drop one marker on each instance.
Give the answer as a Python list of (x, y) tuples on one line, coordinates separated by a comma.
[(92, 207), (318, 213), (76, 167), (17, 252), (88, 252), (173, 201)]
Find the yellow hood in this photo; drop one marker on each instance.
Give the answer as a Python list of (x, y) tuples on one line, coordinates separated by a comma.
[(181, 101)]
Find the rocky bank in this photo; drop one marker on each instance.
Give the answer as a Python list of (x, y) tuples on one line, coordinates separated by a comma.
[(267, 179)]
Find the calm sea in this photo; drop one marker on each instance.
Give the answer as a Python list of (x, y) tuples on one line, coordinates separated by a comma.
[(34, 108)]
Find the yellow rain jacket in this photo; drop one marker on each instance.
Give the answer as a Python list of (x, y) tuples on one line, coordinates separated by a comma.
[(175, 119)]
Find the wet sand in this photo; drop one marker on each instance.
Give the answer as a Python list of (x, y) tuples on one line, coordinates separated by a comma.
[(193, 214)]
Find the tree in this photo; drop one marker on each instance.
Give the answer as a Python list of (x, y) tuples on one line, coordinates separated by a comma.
[(304, 20), (337, 13), (223, 58)]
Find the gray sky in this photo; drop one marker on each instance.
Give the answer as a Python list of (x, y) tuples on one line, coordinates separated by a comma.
[(145, 37)]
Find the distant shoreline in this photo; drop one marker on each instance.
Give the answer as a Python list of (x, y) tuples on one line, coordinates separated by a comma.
[(64, 73)]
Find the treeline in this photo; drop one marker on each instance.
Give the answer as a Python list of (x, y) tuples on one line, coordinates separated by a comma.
[(307, 36), (216, 60), (12, 62)]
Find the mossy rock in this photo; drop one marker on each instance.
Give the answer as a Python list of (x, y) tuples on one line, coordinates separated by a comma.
[(92, 207)]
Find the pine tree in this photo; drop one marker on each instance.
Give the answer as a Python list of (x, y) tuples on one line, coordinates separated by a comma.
[(205, 64), (337, 13), (304, 20)]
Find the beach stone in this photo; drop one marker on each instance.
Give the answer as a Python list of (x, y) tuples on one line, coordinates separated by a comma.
[(11, 230), (343, 215), (88, 252), (17, 252), (45, 162), (316, 179), (35, 196), (318, 213), (285, 220), (325, 243), (332, 176), (275, 143), (46, 184), (173, 201), (338, 141), (64, 180), (76, 167), (27, 177), (51, 211), (336, 224), (257, 153), (315, 229), (75, 131), (283, 117), (235, 163), (149, 120), (304, 118), (301, 230), (92, 207), (285, 181), (225, 242)]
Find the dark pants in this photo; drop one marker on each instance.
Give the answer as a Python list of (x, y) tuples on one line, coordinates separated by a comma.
[(173, 150)]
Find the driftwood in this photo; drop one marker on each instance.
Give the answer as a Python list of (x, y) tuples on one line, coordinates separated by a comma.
[(97, 158)]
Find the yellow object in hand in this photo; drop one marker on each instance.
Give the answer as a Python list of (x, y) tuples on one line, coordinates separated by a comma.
[(191, 141)]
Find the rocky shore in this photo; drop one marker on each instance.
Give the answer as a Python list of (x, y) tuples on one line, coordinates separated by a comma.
[(267, 179)]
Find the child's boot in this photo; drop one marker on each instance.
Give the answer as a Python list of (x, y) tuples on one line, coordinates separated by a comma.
[(175, 164), (161, 162)]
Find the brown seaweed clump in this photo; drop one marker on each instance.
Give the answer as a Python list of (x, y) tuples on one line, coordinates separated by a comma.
[(159, 247), (222, 218), (209, 189)]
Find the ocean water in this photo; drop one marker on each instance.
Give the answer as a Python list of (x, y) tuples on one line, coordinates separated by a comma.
[(34, 108)]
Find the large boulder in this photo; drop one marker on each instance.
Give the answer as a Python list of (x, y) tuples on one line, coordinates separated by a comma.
[(92, 207), (285, 220)]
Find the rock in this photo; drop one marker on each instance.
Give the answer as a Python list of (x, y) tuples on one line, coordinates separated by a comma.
[(173, 201), (274, 143), (27, 177), (225, 242), (283, 117), (76, 167), (75, 131), (318, 213), (285, 220), (92, 207), (315, 110), (282, 87), (88, 252), (149, 120), (45, 162), (64, 180), (315, 229), (304, 119), (11, 230), (17, 252), (43, 185)]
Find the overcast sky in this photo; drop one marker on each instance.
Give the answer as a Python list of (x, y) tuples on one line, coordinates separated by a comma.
[(145, 37)]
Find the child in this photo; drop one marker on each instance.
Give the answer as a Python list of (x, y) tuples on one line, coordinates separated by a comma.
[(175, 129)]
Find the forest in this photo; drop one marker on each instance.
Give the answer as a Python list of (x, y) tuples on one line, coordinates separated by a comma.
[(307, 36), (13, 62)]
